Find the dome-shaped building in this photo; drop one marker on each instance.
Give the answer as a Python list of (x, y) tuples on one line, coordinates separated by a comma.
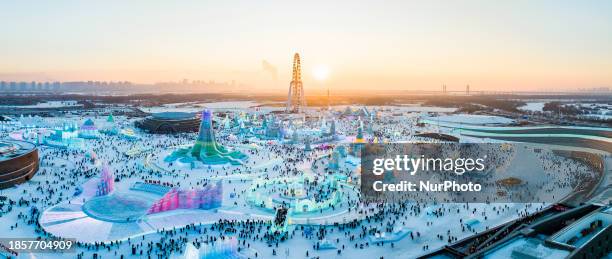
[(89, 130)]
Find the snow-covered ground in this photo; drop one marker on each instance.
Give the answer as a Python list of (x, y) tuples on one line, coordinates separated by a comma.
[(199, 106), (53, 192), (473, 119), (49, 104), (533, 106)]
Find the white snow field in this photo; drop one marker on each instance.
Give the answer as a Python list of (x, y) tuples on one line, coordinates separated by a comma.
[(62, 199)]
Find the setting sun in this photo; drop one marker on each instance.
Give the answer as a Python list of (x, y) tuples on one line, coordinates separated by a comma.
[(320, 72)]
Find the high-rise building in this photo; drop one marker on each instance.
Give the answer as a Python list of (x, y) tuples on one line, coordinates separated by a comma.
[(23, 86)]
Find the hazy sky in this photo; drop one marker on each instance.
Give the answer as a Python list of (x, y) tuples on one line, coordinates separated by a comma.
[(493, 45)]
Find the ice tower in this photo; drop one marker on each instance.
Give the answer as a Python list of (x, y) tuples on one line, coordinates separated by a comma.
[(206, 149), (359, 137)]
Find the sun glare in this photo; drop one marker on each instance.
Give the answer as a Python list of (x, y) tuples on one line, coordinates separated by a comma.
[(320, 72)]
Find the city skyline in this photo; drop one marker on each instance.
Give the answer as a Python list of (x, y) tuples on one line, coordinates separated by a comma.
[(398, 45)]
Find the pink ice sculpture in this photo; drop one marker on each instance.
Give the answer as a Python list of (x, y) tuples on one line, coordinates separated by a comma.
[(107, 182), (209, 197)]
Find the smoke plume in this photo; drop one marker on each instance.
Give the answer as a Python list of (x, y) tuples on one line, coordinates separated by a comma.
[(270, 69)]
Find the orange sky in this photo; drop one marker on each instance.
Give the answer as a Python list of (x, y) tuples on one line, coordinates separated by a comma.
[(392, 45)]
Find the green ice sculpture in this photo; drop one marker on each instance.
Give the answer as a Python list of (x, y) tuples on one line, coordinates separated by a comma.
[(206, 149)]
